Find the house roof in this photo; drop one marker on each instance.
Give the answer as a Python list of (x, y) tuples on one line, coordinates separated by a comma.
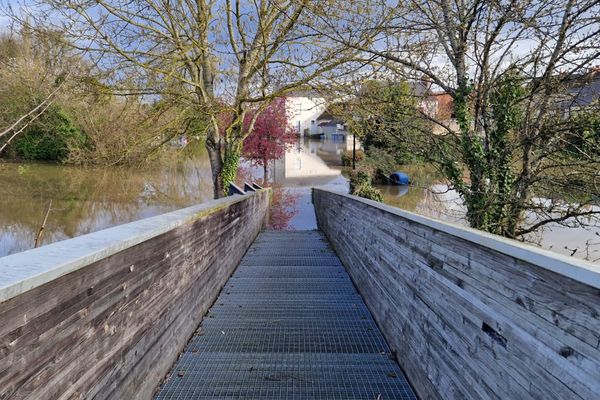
[(333, 122), (325, 115)]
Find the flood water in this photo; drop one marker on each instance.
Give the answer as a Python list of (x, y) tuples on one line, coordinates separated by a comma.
[(428, 195), (86, 200), (90, 199)]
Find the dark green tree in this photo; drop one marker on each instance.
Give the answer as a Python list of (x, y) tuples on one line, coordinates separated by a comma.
[(384, 116), (50, 137)]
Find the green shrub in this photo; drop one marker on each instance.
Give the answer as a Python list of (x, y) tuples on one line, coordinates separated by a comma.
[(383, 163), (50, 137), (359, 177), (369, 192), (360, 185), (347, 157)]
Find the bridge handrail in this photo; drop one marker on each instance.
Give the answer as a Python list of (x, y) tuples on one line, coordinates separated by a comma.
[(29, 269), (575, 268)]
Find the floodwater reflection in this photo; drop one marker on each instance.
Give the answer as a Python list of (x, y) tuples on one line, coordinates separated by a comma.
[(310, 163), (90, 199), (427, 196)]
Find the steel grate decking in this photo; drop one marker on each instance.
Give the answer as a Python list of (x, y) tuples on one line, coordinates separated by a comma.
[(289, 324)]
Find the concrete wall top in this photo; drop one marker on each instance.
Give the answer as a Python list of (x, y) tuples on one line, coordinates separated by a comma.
[(577, 269), (24, 271)]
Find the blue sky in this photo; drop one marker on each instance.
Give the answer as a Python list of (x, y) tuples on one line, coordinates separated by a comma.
[(4, 4)]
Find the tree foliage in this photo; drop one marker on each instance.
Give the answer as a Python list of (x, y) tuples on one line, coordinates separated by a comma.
[(59, 109), (271, 137), (515, 110), (51, 137), (361, 185), (383, 117)]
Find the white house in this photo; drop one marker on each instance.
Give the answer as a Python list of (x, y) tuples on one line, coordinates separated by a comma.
[(304, 107), (330, 127)]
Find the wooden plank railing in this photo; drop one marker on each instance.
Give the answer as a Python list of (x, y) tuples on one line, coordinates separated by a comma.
[(469, 314), (105, 315)]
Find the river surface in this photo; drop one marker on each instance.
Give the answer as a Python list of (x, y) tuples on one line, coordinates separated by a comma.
[(90, 199)]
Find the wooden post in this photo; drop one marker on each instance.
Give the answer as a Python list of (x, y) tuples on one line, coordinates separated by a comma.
[(38, 239)]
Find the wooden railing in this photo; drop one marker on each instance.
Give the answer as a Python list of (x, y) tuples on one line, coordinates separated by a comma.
[(470, 315), (105, 315)]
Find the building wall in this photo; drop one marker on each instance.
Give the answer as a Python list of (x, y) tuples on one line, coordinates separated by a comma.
[(105, 315), (303, 110), (450, 126), (470, 315)]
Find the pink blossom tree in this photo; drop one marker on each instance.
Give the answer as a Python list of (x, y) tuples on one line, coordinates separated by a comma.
[(271, 136)]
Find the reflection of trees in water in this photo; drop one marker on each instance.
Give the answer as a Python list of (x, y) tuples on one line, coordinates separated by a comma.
[(577, 237), (283, 208), (435, 200), (284, 203), (86, 200), (418, 196), (441, 202), (591, 249)]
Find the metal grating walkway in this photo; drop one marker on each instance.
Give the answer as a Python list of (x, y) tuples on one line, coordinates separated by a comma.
[(289, 324)]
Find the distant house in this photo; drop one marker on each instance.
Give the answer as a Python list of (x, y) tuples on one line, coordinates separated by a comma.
[(438, 106), (583, 92), (331, 127), (304, 107), (441, 110)]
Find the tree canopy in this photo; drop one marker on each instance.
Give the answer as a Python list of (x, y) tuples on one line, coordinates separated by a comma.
[(271, 136)]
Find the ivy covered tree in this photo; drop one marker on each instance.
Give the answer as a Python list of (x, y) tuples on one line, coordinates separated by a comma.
[(488, 159)]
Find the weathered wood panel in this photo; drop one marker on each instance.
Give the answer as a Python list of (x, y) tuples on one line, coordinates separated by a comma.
[(111, 329), (468, 316)]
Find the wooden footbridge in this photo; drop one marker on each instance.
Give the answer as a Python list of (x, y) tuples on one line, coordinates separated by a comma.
[(204, 303)]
